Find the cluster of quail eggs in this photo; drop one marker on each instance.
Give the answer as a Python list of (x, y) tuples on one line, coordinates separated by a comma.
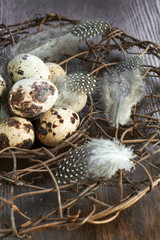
[(32, 102)]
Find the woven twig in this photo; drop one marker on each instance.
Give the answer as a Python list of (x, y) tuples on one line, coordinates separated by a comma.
[(143, 133)]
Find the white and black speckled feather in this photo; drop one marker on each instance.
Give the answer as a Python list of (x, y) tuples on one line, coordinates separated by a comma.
[(87, 29), (81, 83), (99, 159), (72, 85), (122, 89), (73, 167), (129, 64)]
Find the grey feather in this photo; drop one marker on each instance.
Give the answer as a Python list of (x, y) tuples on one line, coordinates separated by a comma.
[(35, 40), (54, 43), (53, 49), (122, 89)]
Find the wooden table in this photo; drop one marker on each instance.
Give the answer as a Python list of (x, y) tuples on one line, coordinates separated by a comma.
[(141, 19)]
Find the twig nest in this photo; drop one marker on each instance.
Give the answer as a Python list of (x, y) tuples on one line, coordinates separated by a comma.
[(2, 86), (30, 98), (27, 66), (55, 125), (56, 71), (16, 132)]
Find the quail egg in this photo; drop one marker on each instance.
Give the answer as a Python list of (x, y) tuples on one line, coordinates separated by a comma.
[(77, 102), (2, 86), (56, 72), (56, 125), (27, 66), (29, 98), (16, 132)]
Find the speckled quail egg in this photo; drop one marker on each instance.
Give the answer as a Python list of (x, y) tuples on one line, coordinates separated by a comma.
[(55, 125), (77, 102), (27, 66), (29, 98), (80, 102), (2, 86), (56, 71), (16, 132)]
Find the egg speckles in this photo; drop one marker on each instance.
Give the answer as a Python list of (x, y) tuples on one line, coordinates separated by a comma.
[(27, 66), (56, 125), (31, 97), (16, 132)]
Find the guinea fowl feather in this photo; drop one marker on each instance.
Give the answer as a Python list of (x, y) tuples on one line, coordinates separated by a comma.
[(98, 159), (122, 89), (72, 87)]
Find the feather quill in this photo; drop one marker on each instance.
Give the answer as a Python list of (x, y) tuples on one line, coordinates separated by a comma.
[(98, 159), (122, 89)]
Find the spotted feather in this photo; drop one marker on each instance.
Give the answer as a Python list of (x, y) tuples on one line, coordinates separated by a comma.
[(98, 159), (87, 29), (81, 83)]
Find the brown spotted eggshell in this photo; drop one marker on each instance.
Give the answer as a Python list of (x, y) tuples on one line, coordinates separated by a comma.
[(2, 85), (79, 102), (71, 100), (56, 71), (56, 125), (16, 132), (27, 66), (29, 98)]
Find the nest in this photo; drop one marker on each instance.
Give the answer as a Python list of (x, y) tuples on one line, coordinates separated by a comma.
[(29, 173)]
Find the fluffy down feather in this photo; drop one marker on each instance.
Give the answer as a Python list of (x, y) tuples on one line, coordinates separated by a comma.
[(34, 41), (107, 157), (100, 158), (122, 89)]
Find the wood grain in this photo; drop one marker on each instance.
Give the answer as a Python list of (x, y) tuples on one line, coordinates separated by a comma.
[(139, 18)]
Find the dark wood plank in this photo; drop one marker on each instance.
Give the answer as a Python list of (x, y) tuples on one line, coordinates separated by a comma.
[(139, 18)]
